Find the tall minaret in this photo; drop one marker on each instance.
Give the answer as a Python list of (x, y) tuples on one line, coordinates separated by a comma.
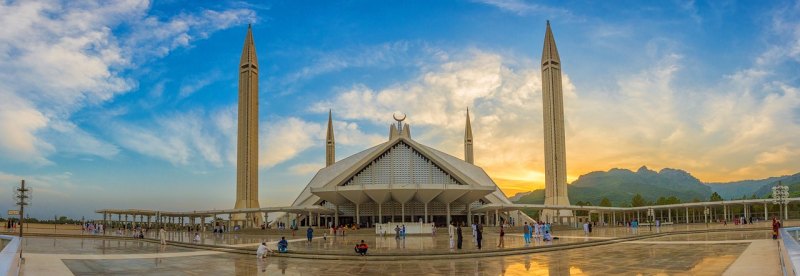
[(468, 157), (555, 161), (247, 140), (330, 144)]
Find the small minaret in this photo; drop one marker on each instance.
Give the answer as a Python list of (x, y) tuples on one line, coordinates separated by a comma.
[(468, 157), (330, 144)]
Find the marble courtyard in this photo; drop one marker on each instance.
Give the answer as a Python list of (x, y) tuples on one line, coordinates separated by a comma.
[(671, 250)]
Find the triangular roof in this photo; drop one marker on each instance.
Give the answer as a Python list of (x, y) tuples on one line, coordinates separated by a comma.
[(342, 171)]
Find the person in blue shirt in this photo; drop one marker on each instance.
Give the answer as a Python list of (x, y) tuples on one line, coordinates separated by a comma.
[(283, 245), (309, 233)]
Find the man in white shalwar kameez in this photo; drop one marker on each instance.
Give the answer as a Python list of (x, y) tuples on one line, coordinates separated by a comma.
[(451, 230), (162, 235)]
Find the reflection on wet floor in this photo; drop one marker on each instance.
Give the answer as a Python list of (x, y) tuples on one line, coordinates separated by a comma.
[(597, 260), (93, 246), (733, 235), (440, 242)]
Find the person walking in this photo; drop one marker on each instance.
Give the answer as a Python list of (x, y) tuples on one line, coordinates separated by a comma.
[(526, 233), (451, 231), (459, 236), (162, 236), (479, 234), (309, 233), (776, 225), (397, 232), (502, 243)]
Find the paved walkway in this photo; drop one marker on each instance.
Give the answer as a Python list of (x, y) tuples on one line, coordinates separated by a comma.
[(760, 258), (732, 253)]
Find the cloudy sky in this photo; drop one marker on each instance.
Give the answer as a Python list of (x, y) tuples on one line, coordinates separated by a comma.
[(132, 104)]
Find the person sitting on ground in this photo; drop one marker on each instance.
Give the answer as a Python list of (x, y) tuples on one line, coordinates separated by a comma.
[(283, 245), (196, 237), (547, 236), (361, 248), (261, 251)]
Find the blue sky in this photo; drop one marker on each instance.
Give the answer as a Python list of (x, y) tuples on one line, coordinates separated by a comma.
[(132, 104)]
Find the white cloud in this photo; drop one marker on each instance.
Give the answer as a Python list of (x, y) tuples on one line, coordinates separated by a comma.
[(505, 103), (306, 168), (715, 133), (285, 139), (60, 57), (195, 83), (182, 138), (521, 7), (384, 55)]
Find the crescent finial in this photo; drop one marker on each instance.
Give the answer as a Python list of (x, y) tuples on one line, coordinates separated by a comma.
[(399, 120)]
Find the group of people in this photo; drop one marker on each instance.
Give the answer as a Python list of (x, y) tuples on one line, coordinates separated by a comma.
[(339, 230), (536, 230), (457, 236), (92, 228), (400, 232), (262, 251)]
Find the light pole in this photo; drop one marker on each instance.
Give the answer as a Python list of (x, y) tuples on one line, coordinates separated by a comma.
[(650, 214), (22, 196), (779, 195), (705, 213)]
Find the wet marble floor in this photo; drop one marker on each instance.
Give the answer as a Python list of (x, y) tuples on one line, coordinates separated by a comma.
[(599, 260), (58, 245), (435, 243)]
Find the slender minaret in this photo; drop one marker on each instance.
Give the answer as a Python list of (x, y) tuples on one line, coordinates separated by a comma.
[(247, 140), (330, 144), (555, 161), (468, 157)]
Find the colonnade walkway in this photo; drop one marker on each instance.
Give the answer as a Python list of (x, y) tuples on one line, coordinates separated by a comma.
[(726, 249)]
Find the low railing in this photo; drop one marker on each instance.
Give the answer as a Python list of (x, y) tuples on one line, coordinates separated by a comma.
[(9, 256), (790, 250)]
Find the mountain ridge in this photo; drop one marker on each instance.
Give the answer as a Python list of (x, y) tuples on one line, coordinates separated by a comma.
[(619, 185)]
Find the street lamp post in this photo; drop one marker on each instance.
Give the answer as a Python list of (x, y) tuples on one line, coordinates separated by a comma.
[(650, 214), (706, 211), (780, 194), (22, 196)]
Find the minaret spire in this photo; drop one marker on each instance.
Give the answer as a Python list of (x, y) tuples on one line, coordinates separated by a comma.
[(468, 155), (555, 164), (249, 50), (549, 51), (247, 136), (330, 144)]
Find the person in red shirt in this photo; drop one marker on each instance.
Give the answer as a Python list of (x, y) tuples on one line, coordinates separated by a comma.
[(361, 248)]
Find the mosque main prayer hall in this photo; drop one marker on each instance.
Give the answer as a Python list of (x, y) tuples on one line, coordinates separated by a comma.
[(398, 181)]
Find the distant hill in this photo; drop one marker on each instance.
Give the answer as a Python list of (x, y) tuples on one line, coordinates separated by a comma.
[(760, 188), (793, 181), (620, 185)]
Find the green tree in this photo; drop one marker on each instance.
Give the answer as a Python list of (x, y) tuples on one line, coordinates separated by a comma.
[(715, 197), (638, 201), (661, 201), (673, 200), (605, 202)]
